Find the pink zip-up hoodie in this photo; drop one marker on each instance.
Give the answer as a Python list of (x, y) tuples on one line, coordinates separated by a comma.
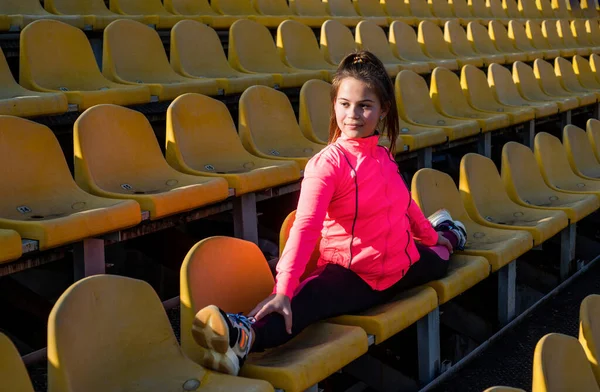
[(353, 196)]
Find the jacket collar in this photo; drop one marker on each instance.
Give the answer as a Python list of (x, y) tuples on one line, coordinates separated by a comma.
[(361, 144)]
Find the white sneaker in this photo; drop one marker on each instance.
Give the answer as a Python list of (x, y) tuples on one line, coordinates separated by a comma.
[(441, 220)]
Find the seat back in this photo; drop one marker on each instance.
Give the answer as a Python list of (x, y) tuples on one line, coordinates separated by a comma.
[(196, 50), (419, 8), (552, 158), (201, 136), (595, 65), (584, 72), (563, 69), (475, 87), (496, 8), (563, 28), (396, 8), (560, 364), (341, 8), (456, 37), (479, 9), (211, 268), (315, 108), (550, 32), (560, 9), (580, 34), (579, 150), (441, 9), (446, 93), (42, 168), (298, 46), (112, 144), (272, 7), (267, 119), (233, 7), (309, 7), (251, 48), (57, 56), (403, 41), (370, 8), (336, 41), (412, 96), (460, 8), (592, 28), (589, 331), (535, 35), (592, 128), (106, 332), (544, 73), (499, 36), (13, 374), (512, 9), (371, 37), (432, 42), (528, 9), (521, 175), (284, 234), (189, 7), (518, 36), (481, 186), (7, 81), (76, 7), (524, 77), (433, 190), (21, 7), (134, 52), (501, 83), (479, 37), (545, 9), (138, 7)]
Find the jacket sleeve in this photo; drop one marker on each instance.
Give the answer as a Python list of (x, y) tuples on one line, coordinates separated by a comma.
[(420, 226), (318, 187)]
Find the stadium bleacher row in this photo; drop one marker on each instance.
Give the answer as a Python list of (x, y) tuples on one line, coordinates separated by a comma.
[(463, 71)]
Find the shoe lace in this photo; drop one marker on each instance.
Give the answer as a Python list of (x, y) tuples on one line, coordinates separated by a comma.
[(239, 318)]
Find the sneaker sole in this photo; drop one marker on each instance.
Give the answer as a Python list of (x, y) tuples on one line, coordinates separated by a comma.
[(210, 331)]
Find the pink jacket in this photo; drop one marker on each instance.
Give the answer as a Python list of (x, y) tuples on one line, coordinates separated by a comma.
[(375, 238)]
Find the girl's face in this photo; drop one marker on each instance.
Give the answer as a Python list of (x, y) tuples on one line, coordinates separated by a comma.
[(357, 109)]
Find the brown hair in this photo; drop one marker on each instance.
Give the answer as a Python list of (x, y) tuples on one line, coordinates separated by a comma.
[(366, 67)]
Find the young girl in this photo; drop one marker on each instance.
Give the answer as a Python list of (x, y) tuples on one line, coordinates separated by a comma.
[(354, 196)]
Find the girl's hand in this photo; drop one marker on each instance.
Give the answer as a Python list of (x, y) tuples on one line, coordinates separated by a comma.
[(443, 241), (275, 303)]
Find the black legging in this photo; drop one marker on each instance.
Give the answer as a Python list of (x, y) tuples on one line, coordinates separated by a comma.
[(337, 291)]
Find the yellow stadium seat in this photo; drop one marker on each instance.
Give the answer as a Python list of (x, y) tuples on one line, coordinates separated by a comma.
[(420, 10), (488, 203), (345, 8), (545, 8), (456, 37), (512, 9), (432, 190), (373, 8), (94, 12), (41, 201), (369, 36), (518, 37), (529, 9), (200, 8), (525, 185), (560, 9), (431, 39), (568, 79), (317, 352), (244, 9), (23, 12), (483, 13), (400, 11), (477, 36), (479, 95), (504, 389), (201, 140), (560, 364), (550, 32), (443, 10), (12, 372), (404, 44), (550, 83), (580, 153), (446, 94), (563, 28), (532, 90), (315, 105), (498, 12), (505, 91), (268, 127), (589, 331), (461, 9), (117, 156), (537, 39), (593, 132), (463, 273), (56, 57), (592, 28), (337, 42), (499, 35), (415, 106), (578, 30), (196, 52), (273, 8), (6, 22), (554, 165), (137, 353), (18, 101), (298, 48), (584, 73), (252, 50), (134, 54), (595, 65), (10, 243), (318, 8), (154, 10)]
